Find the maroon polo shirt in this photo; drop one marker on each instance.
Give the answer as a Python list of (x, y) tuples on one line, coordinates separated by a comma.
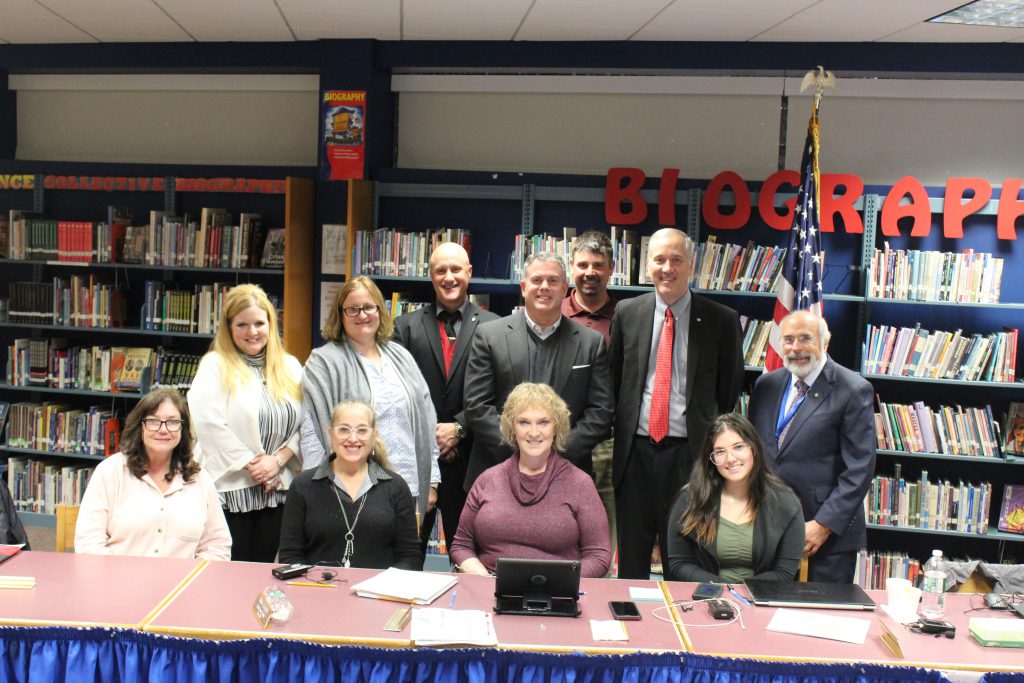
[(601, 320)]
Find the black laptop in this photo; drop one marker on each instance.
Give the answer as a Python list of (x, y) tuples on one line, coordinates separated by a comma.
[(808, 594), (548, 588)]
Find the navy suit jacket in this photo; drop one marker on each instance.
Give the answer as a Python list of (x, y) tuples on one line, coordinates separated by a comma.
[(714, 368), (828, 455), (499, 361)]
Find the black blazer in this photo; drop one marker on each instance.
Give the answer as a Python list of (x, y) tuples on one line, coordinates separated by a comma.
[(499, 361), (778, 542), (714, 368), (828, 455), (418, 332)]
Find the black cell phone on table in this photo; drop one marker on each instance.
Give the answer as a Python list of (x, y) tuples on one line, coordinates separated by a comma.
[(624, 610), (290, 571), (707, 591)]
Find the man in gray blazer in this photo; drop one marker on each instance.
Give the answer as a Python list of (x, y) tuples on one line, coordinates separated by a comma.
[(817, 421), (537, 344), (701, 370), (439, 337)]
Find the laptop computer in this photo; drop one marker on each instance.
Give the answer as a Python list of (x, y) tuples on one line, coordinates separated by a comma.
[(549, 588), (808, 594)]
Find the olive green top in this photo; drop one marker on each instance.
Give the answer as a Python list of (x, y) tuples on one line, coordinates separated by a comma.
[(735, 544)]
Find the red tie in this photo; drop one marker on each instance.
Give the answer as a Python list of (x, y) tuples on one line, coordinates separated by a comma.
[(657, 427)]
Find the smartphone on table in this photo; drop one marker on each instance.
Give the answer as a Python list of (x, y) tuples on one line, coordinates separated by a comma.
[(624, 610)]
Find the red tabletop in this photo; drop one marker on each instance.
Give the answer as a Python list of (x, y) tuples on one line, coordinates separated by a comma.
[(962, 652), (217, 604), (89, 590)]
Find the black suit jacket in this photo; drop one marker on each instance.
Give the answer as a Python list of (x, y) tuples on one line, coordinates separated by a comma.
[(828, 455), (418, 332), (499, 361), (714, 368)]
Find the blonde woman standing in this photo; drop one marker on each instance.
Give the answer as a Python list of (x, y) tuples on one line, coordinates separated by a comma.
[(246, 400)]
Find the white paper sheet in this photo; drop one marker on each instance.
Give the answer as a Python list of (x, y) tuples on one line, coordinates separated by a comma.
[(818, 625)]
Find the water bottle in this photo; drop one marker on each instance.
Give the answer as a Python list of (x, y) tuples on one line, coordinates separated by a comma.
[(933, 595)]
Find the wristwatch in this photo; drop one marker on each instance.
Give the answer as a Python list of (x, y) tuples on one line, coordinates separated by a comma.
[(460, 431)]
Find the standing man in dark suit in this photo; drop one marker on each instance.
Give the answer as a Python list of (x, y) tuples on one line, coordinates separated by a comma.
[(538, 344), (439, 337), (817, 421), (677, 363)]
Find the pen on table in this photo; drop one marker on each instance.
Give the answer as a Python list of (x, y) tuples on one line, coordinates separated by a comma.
[(738, 596), (311, 584), (452, 603)]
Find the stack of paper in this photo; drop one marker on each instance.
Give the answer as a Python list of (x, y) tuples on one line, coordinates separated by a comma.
[(997, 632), (439, 626), (804, 623), (17, 582), (402, 585)]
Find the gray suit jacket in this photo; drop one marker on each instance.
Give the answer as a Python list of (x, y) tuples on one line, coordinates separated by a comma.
[(499, 361), (714, 368), (828, 455)]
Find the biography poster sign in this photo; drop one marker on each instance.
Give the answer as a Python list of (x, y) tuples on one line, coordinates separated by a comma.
[(344, 113)]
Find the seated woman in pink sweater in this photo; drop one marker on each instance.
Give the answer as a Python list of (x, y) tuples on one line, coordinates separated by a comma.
[(536, 504)]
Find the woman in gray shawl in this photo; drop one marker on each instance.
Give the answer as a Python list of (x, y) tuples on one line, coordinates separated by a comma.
[(360, 362)]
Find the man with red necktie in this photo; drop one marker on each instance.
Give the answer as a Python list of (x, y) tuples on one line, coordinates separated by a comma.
[(677, 363)]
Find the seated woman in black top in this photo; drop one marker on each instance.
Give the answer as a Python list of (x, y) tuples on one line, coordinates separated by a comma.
[(351, 510), (734, 520)]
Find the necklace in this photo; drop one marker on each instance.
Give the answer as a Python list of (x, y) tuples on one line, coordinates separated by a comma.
[(346, 558)]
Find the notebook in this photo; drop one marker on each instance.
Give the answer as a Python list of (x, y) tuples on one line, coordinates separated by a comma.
[(808, 594), (401, 585)]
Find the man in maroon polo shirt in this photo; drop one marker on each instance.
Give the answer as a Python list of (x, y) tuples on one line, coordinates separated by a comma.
[(591, 304)]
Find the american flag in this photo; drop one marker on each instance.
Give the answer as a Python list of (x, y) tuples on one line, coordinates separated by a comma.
[(800, 285)]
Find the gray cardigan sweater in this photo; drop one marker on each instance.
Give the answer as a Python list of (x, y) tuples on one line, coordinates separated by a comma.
[(334, 373), (778, 542)]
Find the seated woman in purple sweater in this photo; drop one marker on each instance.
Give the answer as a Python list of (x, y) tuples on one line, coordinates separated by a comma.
[(536, 504)]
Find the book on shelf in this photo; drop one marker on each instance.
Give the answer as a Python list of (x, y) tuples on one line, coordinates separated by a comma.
[(20, 236), (392, 253), (922, 504), (56, 428), (39, 485), (731, 267), (5, 236), (1014, 431), (1011, 514), (112, 242), (626, 254), (755, 340), (873, 567), (398, 304), (916, 352), (136, 374), (527, 245), (5, 407), (946, 430), (170, 308), (913, 275), (134, 244), (273, 249)]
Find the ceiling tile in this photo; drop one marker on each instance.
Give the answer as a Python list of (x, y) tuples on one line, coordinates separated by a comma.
[(573, 32), (440, 29), (26, 21), (456, 11), (314, 24), (864, 20), (119, 20), (955, 33), (702, 24)]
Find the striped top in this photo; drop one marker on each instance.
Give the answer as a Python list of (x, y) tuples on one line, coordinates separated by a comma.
[(277, 422)]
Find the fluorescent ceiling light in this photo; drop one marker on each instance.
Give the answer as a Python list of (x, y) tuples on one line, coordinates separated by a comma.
[(986, 13)]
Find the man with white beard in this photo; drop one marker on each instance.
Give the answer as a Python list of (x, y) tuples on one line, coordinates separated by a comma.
[(817, 421)]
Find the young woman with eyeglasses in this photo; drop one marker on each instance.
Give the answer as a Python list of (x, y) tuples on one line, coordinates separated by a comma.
[(359, 361), (352, 510), (734, 520), (152, 499), (246, 398)]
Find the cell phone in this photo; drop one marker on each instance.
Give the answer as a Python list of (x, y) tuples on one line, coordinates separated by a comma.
[(707, 591), (290, 571), (937, 627), (720, 609), (624, 610)]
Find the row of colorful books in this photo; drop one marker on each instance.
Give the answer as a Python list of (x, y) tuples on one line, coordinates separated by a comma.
[(212, 242), (51, 363), (755, 340), (57, 428), (914, 275), (391, 253), (916, 352), (436, 542), (874, 567), (753, 268), (527, 245), (81, 301), (168, 240), (168, 308), (921, 504), (950, 430), (629, 251), (39, 485)]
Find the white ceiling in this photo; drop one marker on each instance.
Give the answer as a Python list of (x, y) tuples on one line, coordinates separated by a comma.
[(134, 21)]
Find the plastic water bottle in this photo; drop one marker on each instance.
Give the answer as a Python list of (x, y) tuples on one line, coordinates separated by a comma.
[(933, 588)]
